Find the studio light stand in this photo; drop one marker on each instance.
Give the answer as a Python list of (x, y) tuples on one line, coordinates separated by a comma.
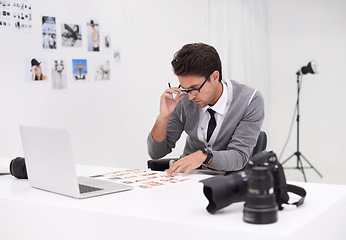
[(310, 68)]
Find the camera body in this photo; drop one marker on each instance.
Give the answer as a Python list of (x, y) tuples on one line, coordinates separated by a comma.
[(222, 191), (270, 161)]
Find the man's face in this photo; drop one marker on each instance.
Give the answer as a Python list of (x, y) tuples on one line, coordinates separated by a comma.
[(208, 94)]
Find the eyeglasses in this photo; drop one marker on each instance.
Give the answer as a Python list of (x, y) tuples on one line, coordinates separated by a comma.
[(195, 89)]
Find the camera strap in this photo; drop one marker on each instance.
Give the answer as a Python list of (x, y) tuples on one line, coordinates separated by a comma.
[(298, 191)]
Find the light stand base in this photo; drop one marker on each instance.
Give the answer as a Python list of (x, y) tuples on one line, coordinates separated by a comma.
[(300, 166)]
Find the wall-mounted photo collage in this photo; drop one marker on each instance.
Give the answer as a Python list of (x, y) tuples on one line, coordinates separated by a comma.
[(58, 71)]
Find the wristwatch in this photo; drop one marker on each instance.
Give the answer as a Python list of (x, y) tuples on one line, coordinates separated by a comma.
[(208, 160)]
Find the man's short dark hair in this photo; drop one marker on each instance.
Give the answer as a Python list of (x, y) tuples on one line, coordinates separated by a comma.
[(196, 59)]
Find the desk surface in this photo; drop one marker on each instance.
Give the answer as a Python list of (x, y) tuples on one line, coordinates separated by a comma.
[(171, 212)]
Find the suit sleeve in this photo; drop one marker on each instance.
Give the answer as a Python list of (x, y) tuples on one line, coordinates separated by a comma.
[(175, 128), (243, 140)]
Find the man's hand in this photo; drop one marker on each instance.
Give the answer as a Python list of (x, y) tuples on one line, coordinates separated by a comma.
[(167, 103), (189, 162), (167, 106)]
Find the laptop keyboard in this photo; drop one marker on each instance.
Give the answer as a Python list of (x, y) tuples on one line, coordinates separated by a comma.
[(86, 188)]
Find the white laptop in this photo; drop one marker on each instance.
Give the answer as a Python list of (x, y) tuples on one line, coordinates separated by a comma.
[(50, 165)]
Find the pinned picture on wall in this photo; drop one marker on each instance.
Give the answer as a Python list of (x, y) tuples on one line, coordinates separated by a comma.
[(116, 57), (80, 69), (102, 71), (71, 35), (49, 32), (59, 76), (22, 15), (16, 15), (5, 15), (107, 41), (93, 36), (38, 70)]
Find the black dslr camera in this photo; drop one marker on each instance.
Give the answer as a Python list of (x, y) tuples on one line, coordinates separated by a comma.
[(261, 184)]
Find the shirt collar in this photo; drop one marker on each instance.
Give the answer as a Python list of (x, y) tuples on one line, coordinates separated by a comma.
[(220, 105)]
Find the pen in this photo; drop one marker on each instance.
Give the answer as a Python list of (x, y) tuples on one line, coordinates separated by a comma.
[(96, 176), (169, 85)]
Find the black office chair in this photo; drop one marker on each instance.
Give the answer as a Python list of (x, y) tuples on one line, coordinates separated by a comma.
[(261, 143), (163, 164)]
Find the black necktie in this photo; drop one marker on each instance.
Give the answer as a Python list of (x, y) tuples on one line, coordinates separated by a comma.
[(211, 124)]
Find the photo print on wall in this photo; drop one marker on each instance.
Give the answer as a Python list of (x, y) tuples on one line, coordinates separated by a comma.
[(49, 32), (38, 69), (71, 35), (59, 76), (102, 71), (15, 15), (5, 15), (107, 41), (80, 69), (116, 56), (93, 36)]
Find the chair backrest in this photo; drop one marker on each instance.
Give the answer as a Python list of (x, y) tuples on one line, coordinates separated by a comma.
[(261, 143)]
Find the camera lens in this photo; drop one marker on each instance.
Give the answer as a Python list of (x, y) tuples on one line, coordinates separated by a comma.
[(260, 206), (18, 168), (222, 191)]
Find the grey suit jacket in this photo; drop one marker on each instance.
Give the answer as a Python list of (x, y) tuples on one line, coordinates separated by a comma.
[(238, 132)]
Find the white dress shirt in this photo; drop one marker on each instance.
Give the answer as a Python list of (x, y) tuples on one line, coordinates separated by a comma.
[(220, 108)]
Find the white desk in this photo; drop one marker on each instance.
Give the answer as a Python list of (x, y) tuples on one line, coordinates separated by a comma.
[(172, 212)]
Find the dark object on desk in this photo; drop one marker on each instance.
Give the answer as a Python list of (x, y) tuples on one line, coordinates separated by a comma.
[(163, 164), (18, 168), (260, 206), (160, 164), (222, 191)]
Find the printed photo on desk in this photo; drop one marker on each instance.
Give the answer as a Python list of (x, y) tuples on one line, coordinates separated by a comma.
[(143, 178)]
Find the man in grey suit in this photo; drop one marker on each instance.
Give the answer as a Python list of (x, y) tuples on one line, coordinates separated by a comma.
[(222, 118)]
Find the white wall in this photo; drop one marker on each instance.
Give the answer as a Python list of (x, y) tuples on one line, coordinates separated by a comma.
[(238, 29), (109, 120), (148, 33), (298, 32)]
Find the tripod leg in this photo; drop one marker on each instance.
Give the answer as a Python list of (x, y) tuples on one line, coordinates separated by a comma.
[(300, 166), (311, 165), (288, 158)]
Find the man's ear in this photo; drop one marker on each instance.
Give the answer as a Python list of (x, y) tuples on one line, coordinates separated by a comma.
[(215, 76)]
